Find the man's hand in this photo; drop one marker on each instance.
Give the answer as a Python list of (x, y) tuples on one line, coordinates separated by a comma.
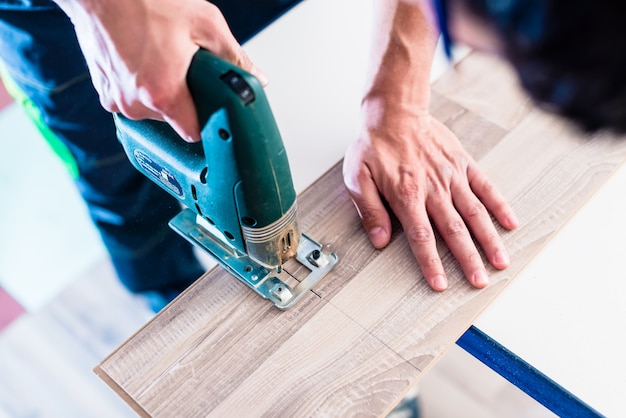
[(422, 171), (414, 162), (139, 51)]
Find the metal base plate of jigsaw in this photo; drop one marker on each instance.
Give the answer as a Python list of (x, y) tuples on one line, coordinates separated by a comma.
[(258, 277)]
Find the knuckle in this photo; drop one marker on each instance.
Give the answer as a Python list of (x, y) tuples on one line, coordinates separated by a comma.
[(475, 210), (369, 216), (488, 187), (369, 213), (129, 110), (408, 189), (474, 258), (159, 99), (420, 235), (483, 185), (356, 179), (491, 242), (454, 227), (108, 104), (351, 184), (157, 94), (430, 262)]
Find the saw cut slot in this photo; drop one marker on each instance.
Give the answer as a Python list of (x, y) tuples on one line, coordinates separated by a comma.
[(198, 210), (295, 270), (193, 192), (288, 279)]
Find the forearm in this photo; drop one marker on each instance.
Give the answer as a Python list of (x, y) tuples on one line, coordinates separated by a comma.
[(403, 48)]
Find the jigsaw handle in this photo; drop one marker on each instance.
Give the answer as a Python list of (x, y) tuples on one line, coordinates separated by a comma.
[(238, 176)]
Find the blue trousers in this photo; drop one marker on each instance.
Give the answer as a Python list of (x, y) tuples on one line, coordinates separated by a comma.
[(41, 54)]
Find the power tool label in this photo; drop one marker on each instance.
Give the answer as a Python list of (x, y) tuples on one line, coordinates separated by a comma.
[(159, 173)]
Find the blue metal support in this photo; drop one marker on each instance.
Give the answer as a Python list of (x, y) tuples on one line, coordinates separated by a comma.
[(536, 384)]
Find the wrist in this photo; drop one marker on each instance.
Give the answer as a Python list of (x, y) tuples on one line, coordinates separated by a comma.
[(387, 114)]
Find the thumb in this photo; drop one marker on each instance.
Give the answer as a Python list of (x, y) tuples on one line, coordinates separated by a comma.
[(372, 211)]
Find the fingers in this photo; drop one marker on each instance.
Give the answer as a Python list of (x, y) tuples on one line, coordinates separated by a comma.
[(451, 226), (183, 117), (458, 214), (474, 211), (215, 36), (453, 229), (489, 195), (169, 100), (421, 238), (477, 218), (244, 61), (467, 215)]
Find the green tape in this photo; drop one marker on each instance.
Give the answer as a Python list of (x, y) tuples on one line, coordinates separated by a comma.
[(34, 114)]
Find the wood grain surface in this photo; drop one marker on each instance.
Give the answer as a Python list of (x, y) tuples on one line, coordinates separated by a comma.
[(373, 328)]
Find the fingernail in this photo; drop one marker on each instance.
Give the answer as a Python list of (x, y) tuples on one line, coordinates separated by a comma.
[(440, 283), (377, 236), (501, 259), (261, 76), (512, 221), (480, 279)]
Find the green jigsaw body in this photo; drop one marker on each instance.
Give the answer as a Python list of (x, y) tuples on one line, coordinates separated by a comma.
[(236, 179), (238, 175)]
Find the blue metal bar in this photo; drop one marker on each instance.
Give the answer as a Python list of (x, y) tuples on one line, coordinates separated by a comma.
[(536, 384)]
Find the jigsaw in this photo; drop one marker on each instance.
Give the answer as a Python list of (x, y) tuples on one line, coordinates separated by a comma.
[(236, 183)]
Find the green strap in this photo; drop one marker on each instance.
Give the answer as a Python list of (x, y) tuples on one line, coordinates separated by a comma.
[(58, 147)]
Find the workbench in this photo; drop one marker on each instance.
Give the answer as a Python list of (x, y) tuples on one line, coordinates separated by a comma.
[(371, 330)]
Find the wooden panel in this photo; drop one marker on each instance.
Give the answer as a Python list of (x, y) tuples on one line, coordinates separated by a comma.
[(494, 95), (372, 328)]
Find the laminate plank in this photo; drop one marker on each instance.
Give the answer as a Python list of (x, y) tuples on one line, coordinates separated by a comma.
[(301, 381), (479, 134), (372, 328), (495, 95), (209, 338)]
